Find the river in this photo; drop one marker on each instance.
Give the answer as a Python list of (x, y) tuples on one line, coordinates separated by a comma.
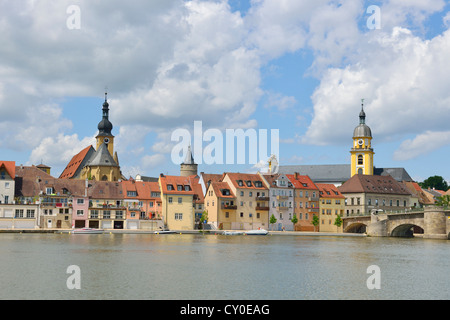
[(187, 266)]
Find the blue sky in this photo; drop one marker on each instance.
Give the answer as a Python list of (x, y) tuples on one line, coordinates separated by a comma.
[(297, 66)]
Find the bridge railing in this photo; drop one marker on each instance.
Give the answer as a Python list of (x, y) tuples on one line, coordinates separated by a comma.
[(389, 212)]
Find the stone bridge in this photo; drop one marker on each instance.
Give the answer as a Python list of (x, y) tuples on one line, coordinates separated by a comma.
[(433, 222)]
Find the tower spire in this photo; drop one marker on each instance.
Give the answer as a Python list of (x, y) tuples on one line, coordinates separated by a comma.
[(362, 114)]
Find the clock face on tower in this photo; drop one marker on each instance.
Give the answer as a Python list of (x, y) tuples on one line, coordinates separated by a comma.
[(360, 142), (106, 140)]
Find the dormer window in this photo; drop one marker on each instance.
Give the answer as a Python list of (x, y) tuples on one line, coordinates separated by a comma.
[(48, 190), (169, 187), (240, 183), (249, 183), (179, 187), (186, 188)]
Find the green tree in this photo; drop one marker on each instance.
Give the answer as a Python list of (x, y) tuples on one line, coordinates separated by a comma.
[(315, 221), (272, 220), (443, 201), (436, 182), (203, 218), (294, 220), (338, 221)]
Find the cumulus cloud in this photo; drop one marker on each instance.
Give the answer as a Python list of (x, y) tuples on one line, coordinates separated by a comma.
[(422, 144)]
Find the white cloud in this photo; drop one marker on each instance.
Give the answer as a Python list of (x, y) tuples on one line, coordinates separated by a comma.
[(422, 144), (57, 151)]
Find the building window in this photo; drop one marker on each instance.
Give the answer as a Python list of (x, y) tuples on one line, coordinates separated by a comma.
[(94, 214), (19, 213), (30, 213), (180, 200), (119, 214), (178, 216), (106, 214), (80, 201), (170, 199), (360, 160), (131, 194), (80, 212)]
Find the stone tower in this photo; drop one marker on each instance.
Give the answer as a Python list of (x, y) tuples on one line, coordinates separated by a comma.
[(188, 167)]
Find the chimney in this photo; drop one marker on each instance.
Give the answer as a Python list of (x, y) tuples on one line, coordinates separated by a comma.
[(296, 176)]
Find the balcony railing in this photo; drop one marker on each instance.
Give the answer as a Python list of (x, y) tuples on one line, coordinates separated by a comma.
[(262, 208), (262, 198), (228, 206)]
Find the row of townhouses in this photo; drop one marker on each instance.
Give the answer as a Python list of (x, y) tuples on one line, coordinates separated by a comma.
[(30, 198)]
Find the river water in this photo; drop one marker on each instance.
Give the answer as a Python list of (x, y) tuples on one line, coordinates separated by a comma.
[(213, 267)]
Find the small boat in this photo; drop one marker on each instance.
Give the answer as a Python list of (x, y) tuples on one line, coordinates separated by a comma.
[(261, 232), (232, 233), (87, 231), (164, 232)]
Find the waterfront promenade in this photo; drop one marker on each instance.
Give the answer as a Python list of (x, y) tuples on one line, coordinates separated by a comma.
[(207, 232)]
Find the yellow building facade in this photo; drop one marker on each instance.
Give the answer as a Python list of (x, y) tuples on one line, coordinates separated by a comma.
[(331, 205), (178, 201)]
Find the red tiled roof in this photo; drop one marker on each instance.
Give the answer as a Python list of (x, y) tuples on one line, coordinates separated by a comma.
[(326, 188), (143, 189), (301, 181), (218, 188), (246, 178), (73, 165), (10, 167)]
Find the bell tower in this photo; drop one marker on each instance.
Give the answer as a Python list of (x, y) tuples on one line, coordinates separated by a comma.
[(362, 152), (105, 128)]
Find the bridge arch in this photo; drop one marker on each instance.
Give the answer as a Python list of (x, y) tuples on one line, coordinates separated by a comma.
[(406, 230), (356, 227)]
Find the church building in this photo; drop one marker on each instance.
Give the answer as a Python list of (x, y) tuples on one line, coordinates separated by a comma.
[(101, 164)]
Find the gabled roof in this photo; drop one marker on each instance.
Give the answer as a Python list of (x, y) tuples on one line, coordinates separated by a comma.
[(175, 181), (10, 167), (328, 190), (219, 188), (361, 183), (418, 192), (77, 162), (248, 180), (143, 189), (301, 181), (31, 181)]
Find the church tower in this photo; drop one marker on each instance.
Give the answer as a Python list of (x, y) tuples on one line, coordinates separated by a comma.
[(105, 128), (362, 152)]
